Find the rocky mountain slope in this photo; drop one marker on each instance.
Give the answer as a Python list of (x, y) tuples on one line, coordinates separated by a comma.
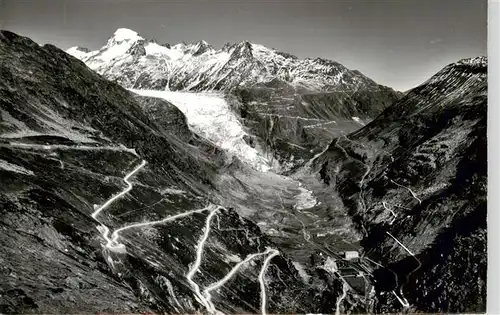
[(301, 103), (119, 202), (110, 203), (414, 180), (296, 124)]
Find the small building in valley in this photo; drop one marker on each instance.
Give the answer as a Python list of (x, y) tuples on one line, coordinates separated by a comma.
[(350, 255)]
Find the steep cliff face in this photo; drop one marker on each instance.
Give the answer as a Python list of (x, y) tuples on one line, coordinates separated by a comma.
[(414, 180), (107, 205), (295, 124)]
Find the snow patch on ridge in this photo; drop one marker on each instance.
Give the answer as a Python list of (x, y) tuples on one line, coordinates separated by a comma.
[(209, 115), (161, 51), (77, 52)]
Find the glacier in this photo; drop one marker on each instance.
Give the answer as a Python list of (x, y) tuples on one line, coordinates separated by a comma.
[(209, 115)]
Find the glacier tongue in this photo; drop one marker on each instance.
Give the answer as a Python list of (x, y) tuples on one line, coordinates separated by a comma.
[(209, 115)]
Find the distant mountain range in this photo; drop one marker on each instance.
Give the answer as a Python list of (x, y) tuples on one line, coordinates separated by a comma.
[(139, 63)]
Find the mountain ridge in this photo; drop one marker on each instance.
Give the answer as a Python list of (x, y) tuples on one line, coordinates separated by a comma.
[(255, 64)]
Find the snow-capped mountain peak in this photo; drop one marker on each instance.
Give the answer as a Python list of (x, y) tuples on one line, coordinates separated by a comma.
[(199, 48), (125, 34), (136, 62)]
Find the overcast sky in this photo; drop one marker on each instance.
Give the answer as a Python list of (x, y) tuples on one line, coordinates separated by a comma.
[(398, 43)]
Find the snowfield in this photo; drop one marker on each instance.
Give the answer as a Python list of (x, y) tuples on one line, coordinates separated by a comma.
[(209, 115)]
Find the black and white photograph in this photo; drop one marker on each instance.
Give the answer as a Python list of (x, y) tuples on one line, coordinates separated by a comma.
[(244, 157)]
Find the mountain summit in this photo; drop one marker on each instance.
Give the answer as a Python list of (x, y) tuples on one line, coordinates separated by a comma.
[(136, 62)]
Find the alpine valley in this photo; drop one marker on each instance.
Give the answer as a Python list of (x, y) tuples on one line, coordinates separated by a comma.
[(182, 179)]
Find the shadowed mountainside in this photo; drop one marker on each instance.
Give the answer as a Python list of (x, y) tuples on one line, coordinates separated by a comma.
[(414, 180)]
